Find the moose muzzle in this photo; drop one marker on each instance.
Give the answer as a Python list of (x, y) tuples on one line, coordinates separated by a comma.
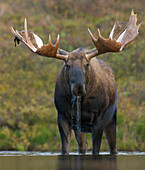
[(78, 82)]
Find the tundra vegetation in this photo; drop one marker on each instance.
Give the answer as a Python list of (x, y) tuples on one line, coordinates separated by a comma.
[(28, 118)]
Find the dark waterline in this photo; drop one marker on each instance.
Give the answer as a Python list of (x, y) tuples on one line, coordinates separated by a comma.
[(49, 161)]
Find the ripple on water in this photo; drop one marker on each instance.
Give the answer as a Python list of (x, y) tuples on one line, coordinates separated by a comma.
[(21, 153)]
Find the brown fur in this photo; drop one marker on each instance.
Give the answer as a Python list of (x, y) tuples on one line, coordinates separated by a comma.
[(100, 96)]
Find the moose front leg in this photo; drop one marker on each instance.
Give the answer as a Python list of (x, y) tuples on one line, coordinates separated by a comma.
[(110, 131), (97, 133), (65, 133), (82, 142)]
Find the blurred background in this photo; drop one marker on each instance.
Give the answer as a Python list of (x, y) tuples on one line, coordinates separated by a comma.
[(28, 118)]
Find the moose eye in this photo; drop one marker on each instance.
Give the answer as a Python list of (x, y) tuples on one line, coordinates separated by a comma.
[(86, 66), (67, 67)]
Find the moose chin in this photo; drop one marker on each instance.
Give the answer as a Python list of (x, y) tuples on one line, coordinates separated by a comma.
[(86, 79)]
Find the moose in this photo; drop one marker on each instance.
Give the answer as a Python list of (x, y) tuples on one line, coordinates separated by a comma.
[(85, 91)]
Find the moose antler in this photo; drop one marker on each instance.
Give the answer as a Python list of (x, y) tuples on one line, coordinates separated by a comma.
[(121, 34), (37, 46)]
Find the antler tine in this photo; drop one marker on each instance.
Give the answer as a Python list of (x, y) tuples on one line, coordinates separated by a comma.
[(92, 36), (133, 17), (19, 36), (26, 30), (112, 31), (32, 48), (99, 33), (132, 12), (14, 33), (57, 41), (50, 39), (58, 38)]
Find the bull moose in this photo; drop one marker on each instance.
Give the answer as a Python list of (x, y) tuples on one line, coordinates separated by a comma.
[(85, 92)]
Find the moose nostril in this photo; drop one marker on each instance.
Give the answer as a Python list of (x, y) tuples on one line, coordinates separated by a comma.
[(80, 87)]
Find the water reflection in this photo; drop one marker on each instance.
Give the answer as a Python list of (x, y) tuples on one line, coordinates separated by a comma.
[(49, 161), (71, 162), (79, 162)]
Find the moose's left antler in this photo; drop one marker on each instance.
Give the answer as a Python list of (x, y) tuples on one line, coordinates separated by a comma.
[(121, 34)]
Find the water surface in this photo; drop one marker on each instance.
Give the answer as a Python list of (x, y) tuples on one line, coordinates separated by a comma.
[(50, 161)]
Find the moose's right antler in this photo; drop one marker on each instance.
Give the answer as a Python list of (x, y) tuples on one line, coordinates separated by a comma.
[(120, 36), (48, 50)]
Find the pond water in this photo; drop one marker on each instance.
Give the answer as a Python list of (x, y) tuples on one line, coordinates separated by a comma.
[(54, 161)]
